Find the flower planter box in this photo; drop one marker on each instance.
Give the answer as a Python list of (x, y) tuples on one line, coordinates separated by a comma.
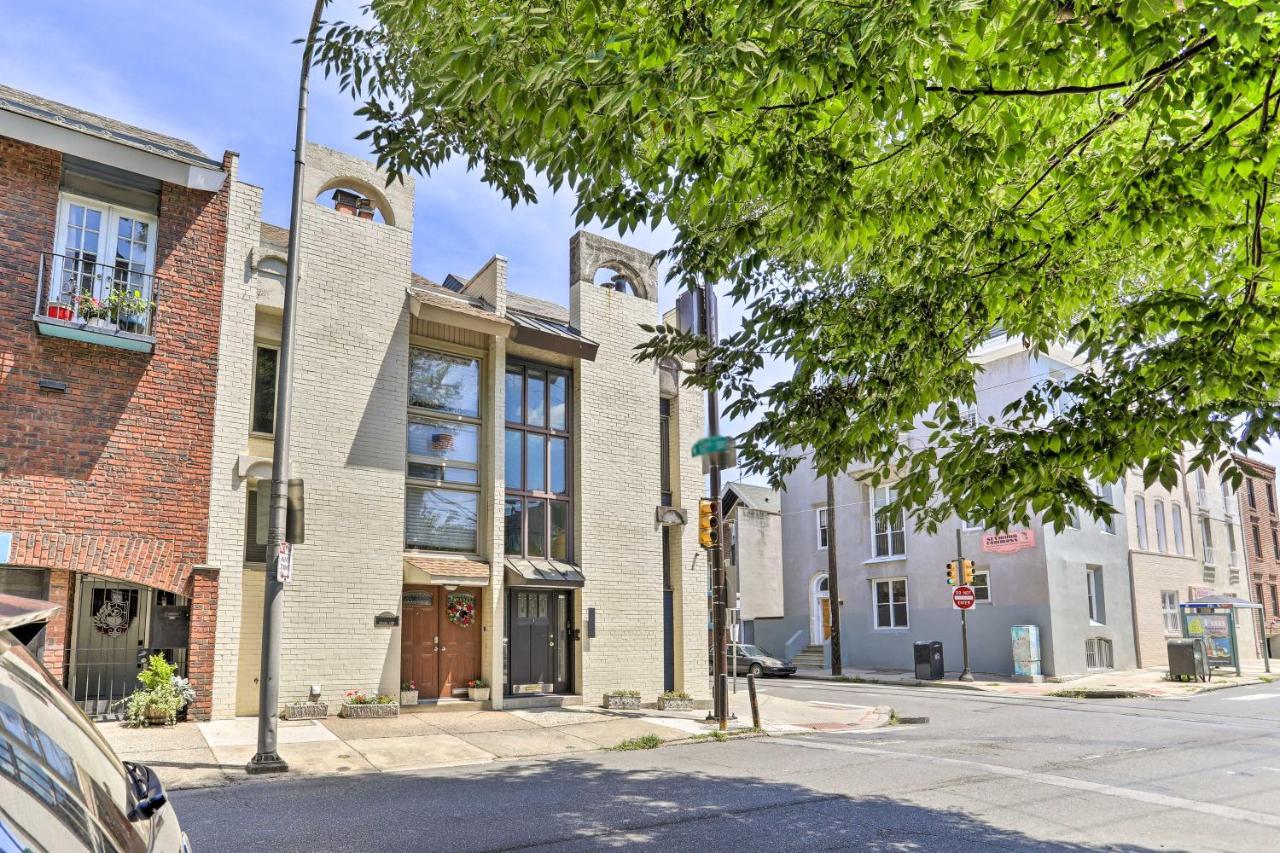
[(101, 323), (58, 311), (305, 711), (673, 704), (408, 697), (622, 703), (478, 694), (365, 711)]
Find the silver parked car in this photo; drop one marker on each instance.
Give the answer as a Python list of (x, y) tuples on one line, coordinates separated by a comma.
[(755, 661), (62, 787)]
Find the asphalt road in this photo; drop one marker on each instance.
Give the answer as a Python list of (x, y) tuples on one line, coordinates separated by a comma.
[(986, 772)]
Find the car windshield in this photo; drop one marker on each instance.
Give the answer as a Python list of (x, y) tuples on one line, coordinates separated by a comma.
[(751, 651)]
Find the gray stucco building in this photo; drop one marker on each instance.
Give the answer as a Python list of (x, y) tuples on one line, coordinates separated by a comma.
[(1074, 585)]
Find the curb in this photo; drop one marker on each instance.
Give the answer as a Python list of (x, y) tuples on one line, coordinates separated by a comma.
[(844, 679)]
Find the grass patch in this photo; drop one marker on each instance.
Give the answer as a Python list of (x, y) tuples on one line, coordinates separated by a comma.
[(642, 742), (851, 679), (1079, 693), (1266, 679), (893, 719)]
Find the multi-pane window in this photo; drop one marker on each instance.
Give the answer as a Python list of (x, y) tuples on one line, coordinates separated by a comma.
[(1271, 497), (1257, 541), (1275, 541), (888, 529), (442, 497), (538, 507), (1275, 600), (1162, 537), (1227, 503), (1253, 499), (1169, 609), (1097, 653), (263, 416), (822, 527), (1179, 546), (1231, 544), (1103, 491), (891, 603), (1140, 519), (664, 450), (1093, 585), (1206, 538), (982, 586)]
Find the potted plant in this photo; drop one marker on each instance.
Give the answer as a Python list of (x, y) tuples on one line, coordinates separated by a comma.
[(478, 690), (61, 308), (357, 703), (408, 693), (675, 700), (131, 310), (163, 694), (626, 700), (95, 312)]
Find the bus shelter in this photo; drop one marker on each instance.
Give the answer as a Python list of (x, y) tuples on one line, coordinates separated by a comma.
[(1213, 620)]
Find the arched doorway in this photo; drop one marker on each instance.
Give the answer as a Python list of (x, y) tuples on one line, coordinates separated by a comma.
[(819, 610)]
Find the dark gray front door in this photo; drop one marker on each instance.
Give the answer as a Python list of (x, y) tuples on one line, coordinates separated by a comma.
[(538, 641)]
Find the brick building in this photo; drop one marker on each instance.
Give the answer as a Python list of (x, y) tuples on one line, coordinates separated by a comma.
[(1261, 528), (490, 477), (111, 246)]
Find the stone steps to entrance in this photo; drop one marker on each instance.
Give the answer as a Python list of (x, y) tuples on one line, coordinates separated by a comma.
[(545, 700), (810, 657)]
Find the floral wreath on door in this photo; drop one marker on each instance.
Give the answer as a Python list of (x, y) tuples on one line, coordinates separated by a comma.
[(461, 608)]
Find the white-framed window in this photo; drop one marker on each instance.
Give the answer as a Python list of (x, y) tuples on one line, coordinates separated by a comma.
[(1202, 488), (1094, 588), (890, 596), (1169, 610), (101, 248), (1206, 539), (1097, 653), (982, 586), (1140, 520), (1103, 491), (969, 418), (889, 535), (731, 530), (1162, 536), (821, 516), (1073, 517), (1179, 545), (1228, 501), (1232, 558)]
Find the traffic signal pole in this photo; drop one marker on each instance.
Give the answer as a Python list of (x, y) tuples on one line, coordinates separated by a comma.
[(719, 587), (964, 614)]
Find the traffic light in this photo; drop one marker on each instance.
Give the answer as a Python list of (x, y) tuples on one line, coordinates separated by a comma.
[(708, 534), (953, 573), (966, 567)]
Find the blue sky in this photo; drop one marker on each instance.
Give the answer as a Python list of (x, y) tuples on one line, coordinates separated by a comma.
[(224, 75)]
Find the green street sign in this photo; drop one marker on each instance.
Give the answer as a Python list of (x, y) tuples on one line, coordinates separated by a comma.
[(710, 444)]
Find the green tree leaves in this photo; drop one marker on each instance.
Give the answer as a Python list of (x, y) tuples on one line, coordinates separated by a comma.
[(882, 184)]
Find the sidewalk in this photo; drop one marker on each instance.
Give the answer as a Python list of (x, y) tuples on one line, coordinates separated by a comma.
[(197, 755), (1119, 684)]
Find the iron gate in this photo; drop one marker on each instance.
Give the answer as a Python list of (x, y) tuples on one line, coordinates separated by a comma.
[(117, 626)]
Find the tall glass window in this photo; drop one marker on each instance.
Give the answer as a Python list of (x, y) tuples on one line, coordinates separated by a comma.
[(442, 495), (538, 468)]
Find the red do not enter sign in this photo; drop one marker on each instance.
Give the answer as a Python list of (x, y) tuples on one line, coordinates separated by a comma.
[(963, 597)]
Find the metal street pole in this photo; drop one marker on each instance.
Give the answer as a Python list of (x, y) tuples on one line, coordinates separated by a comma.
[(964, 614), (267, 759), (718, 585), (833, 579)]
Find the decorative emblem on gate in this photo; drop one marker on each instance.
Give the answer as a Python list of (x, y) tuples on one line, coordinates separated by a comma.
[(462, 609), (112, 618)]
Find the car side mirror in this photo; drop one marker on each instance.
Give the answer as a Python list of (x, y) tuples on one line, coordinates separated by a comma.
[(147, 790)]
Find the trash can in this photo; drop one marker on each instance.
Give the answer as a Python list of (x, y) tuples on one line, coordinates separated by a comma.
[(1188, 659), (928, 660)]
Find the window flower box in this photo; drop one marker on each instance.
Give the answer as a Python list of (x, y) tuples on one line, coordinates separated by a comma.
[(622, 700)]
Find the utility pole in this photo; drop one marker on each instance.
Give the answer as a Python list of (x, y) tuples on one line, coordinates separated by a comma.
[(267, 759), (964, 614), (833, 578), (719, 588)]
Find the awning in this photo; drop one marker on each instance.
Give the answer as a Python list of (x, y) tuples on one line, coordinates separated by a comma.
[(536, 571), (542, 333), (441, 571), (1226, 602)]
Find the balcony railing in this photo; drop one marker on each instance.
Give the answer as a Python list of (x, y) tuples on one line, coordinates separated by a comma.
[(106, 304)]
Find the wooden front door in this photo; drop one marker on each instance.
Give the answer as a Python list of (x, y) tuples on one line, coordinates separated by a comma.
[(826, 618), (437, 653)]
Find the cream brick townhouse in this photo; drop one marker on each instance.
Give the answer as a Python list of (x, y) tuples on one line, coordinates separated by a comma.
[(485, 472)]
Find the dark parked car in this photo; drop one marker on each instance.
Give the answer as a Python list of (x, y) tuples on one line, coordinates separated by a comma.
[(61, 786), (754, 660)]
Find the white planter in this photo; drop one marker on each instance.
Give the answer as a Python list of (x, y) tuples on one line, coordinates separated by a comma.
[(305, 711), (673, 704), (624, 703), (478, 694), (408, 697), (388, 710), (100, 323)]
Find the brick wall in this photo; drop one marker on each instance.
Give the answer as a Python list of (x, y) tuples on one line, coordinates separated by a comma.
[(1264, 568), (111, 476)]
